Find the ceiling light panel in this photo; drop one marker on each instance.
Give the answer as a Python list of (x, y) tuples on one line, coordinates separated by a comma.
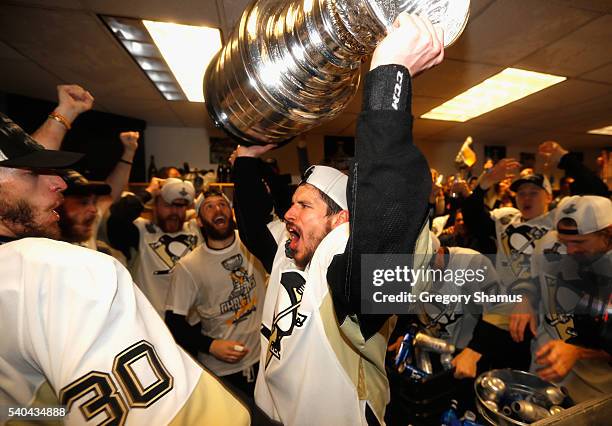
[(503, 88), (187, 50), (174, 57), (603, 131)]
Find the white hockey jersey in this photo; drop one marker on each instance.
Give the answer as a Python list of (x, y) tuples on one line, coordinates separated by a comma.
[(561, 285), (77, 332), (516, 241), (313, 370), (455, 322), (158, 252)]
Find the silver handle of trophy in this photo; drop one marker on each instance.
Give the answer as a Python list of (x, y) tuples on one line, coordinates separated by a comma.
[(289, 66)]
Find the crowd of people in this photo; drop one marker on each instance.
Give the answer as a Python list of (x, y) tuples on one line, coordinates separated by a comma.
[(177, 306)]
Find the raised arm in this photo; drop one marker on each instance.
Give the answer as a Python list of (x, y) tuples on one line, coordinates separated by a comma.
[(122, 233), (72, 101), (475, 214), (390, 182), (253, 203), (586, 181), (120, 175)]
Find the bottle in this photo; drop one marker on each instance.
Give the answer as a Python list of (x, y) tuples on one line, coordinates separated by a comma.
[(449, 417), (152, 172), (222, 173)]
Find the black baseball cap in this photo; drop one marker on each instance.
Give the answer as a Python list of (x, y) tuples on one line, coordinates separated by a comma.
[(537, 179), (79, 185), (19, 150)]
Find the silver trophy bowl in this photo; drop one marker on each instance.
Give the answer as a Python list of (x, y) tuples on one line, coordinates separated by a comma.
[(508, 397), (292, 65)]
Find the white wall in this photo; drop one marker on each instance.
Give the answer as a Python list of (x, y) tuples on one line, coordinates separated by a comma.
[(172, 146)]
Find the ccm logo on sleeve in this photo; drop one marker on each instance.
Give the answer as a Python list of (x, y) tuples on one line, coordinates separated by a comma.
[(397, 90)]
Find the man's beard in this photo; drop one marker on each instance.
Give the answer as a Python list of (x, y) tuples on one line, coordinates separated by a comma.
[(69, 230), (164, 223), (19, 218), (210, 231)]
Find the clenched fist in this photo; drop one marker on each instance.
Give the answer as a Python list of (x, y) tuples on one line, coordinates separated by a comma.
[(129, 140)]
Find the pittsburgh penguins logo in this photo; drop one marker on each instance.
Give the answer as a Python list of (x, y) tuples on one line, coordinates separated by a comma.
[(518, 243), (171, 249), (441, 318), (286, 315), (564, 295)]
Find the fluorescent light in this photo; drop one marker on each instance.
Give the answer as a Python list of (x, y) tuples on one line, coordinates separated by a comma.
[(160, 77), (187, 50), (603, 131), (151, 64), (508, 86), (173, 96), (137, 48)]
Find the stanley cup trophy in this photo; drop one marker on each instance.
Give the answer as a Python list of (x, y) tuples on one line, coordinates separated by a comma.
[(292, 65)]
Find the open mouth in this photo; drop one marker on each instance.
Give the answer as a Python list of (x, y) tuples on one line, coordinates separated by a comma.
[(294, 237), (220, 220)]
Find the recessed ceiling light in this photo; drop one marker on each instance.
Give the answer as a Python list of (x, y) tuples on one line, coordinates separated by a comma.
[(503, 88), (187, 50), (603, 131)]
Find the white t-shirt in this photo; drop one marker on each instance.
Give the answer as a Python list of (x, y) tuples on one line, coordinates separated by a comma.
[(223, 290), (77, 332), (158, 252)]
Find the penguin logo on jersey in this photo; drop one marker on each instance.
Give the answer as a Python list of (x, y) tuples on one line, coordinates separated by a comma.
[(171, 249), (564, 296), (239, 300), (286, 315), (518, 243), (442, 318)]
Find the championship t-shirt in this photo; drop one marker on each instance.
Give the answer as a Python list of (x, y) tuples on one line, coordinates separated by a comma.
[(223, 290)]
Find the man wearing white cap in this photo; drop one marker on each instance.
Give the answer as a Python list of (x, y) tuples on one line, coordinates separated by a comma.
[(154, 246), (322, 360), (572, 282), (221, 287)]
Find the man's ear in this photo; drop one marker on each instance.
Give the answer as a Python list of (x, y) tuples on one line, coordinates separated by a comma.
[(340, 218)]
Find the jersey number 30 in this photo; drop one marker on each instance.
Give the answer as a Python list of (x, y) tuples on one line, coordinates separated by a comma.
[(99, 393)]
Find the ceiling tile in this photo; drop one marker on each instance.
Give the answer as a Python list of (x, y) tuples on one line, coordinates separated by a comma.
[(190, 12), (563, 94), (153, 112), (594, 5), (580, 51), (7, 52), (191, 114), (51, 4), (602, 74), (509, 30), (27, 79)]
